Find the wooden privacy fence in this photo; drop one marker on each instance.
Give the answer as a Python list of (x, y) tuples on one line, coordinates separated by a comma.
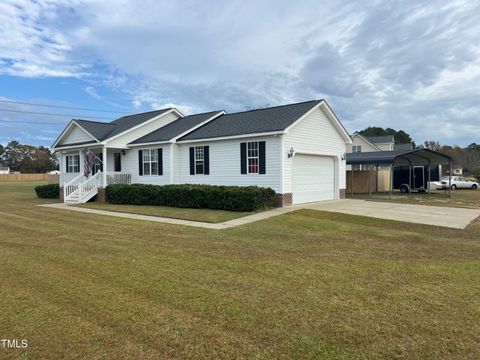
[(53, 178), (365, 181), (23, 177)]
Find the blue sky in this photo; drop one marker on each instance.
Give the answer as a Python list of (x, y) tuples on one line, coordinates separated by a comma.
[(403, 64)]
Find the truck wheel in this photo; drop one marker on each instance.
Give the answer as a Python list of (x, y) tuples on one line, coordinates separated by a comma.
[(453, 187), (404, 189), (474, 187)]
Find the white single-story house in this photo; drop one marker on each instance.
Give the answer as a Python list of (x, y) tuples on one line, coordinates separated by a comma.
[(4, 170), (298, 150)]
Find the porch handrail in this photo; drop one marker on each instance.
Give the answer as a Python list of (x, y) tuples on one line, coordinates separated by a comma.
[(72, 185), (92, 184), (119, 177)]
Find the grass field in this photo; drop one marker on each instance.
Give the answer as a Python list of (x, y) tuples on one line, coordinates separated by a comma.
[(307, 284), (459, 198), (206, 215)]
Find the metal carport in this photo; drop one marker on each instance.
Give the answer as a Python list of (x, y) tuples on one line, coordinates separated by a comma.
[(410, 158)]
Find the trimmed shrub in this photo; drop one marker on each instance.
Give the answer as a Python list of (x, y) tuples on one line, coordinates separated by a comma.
[(51, 191), (232, 198)]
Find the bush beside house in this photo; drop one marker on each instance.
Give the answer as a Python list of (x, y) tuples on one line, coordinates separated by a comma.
[(50, 191), (232, 198)]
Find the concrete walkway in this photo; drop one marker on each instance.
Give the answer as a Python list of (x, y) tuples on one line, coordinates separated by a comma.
[(451, 217), (216, 226), (456, 218)]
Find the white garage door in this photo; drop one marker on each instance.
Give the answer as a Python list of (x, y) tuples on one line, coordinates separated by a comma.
[(313, 178)]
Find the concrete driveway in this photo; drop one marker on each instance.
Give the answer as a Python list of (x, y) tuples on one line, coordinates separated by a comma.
[(457, 218)]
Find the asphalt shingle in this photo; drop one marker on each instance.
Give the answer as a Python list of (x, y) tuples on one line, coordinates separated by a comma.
[(175, 128), (271, 119)]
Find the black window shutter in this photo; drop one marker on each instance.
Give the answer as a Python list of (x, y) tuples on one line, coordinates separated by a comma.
[(160, 161), (100, 156), (243, 158), (78, 161), (261, 157), (140, 162), (66, 163), (192, 161), (206, 160)]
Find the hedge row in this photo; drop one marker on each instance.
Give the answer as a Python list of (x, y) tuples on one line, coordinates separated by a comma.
[(48, 191), (233, 198)]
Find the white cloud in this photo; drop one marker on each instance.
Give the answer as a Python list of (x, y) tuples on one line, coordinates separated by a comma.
[(409, 65)]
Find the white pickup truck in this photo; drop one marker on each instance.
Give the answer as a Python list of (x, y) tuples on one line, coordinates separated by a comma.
[(458, 182)]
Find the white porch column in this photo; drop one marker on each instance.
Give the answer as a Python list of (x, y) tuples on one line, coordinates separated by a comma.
[(61, 168), (105, 166), (81, 160)]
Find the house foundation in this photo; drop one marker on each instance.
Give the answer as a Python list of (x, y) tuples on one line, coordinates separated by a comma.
[(284, 199)]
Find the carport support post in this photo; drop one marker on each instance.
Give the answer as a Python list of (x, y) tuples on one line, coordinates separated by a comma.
[(409, 177), (391, 181), (429, 177), (352, 179), (370, 184), (449, 178)]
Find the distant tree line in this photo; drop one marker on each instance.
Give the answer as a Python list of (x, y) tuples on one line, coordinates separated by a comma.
[(27, 158), (467, 157), (400, 136)]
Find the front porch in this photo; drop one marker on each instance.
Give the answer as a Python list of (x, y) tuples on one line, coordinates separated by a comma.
[(106, 169)]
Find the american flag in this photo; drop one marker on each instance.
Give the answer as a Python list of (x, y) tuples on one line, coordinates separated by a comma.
[(88, 163)]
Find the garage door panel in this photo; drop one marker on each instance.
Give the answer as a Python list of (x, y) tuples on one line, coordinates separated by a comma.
[(313, 178)]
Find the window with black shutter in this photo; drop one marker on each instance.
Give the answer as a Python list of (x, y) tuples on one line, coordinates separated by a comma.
[(252, 156)]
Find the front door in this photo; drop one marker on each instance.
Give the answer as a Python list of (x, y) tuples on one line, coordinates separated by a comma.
[(418, 177), (117, 162)]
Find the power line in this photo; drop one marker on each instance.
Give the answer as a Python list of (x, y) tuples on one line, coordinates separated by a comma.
[(61, 107), (31, 122), (56, 114)]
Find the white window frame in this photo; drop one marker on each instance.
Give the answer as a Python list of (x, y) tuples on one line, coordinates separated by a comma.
[(356, 149), (71, 160), (253, 154), (199, 159), (149, 159)]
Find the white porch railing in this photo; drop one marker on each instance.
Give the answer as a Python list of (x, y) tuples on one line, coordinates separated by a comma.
[(119, 178), (89, 188), (72, 186)]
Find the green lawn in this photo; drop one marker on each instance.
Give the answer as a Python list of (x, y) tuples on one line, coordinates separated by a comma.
[(206, 215), (306, 284), (459, 198)]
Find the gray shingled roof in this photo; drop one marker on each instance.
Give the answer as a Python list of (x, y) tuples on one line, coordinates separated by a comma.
[(271, 119), (408, 146), (102, 131), (380, 139), (175, 128), (4, 168)]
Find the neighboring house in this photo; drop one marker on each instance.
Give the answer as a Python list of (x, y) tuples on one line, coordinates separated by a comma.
[(297, 149), (4, 170), (457, 171), (366, 144)]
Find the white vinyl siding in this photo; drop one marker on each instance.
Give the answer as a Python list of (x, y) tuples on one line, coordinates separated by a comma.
[(225, 164), (130, 165), (315, 135), (75, 135), (123, 140), (358, 141)]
